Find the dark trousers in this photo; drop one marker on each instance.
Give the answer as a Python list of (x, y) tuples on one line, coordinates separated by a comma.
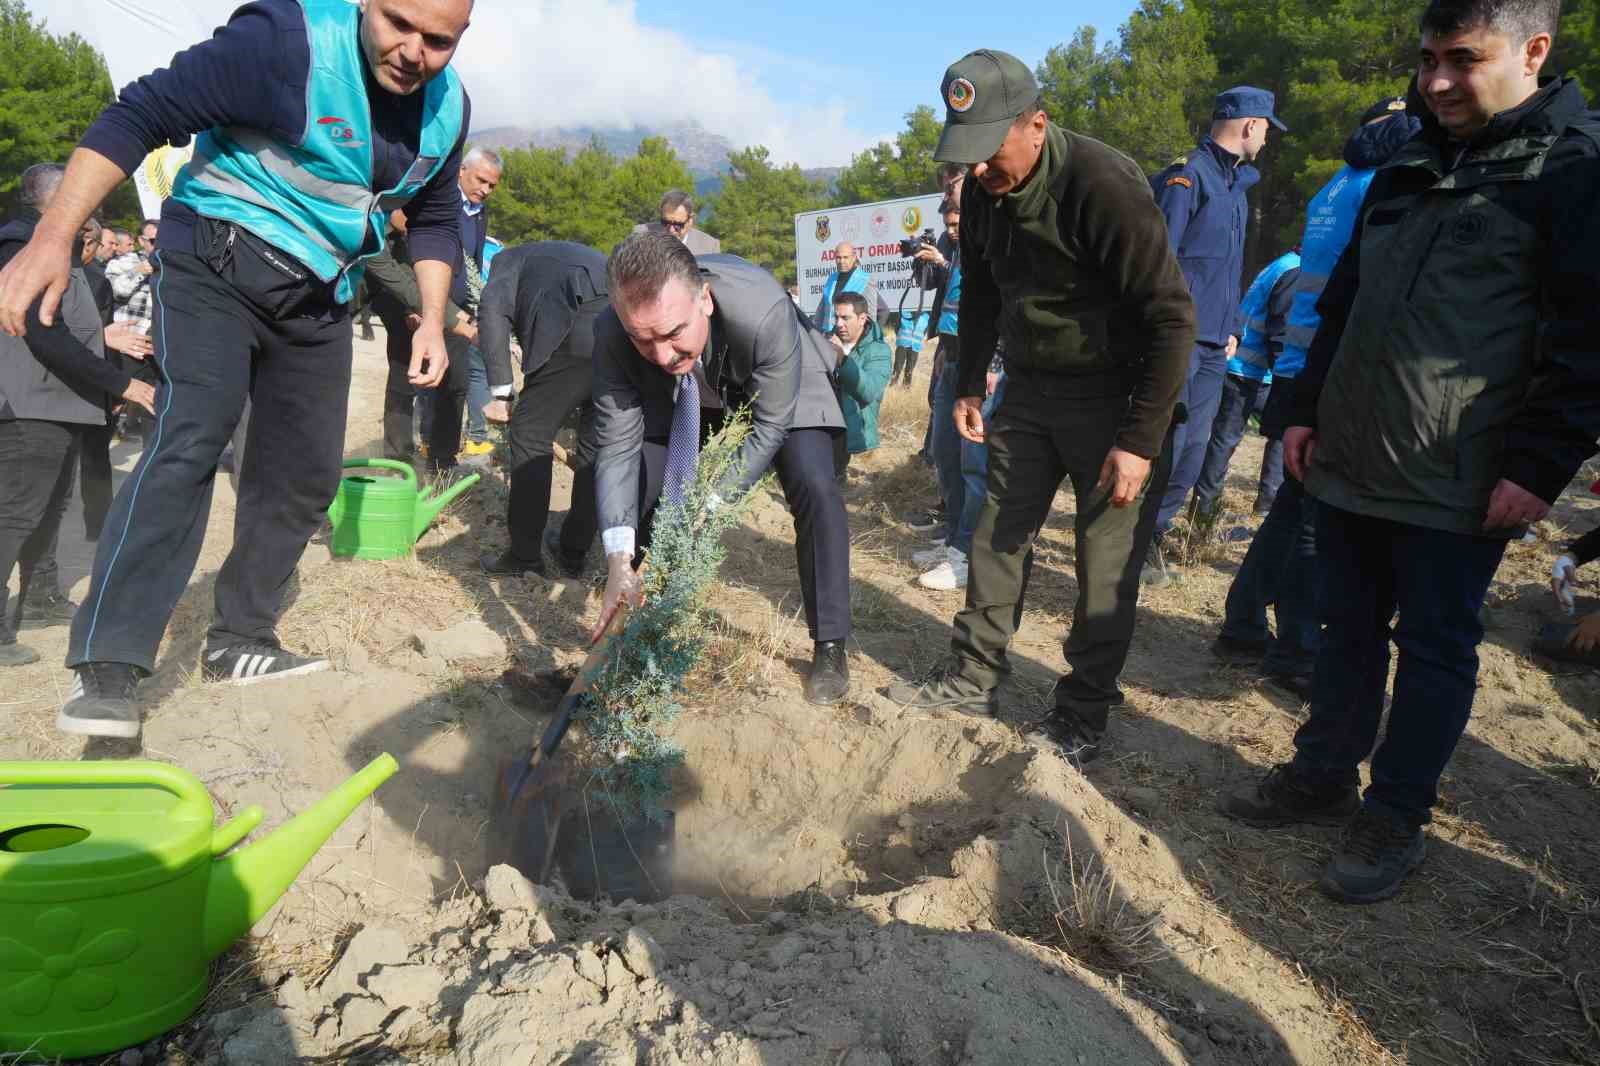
[(36, 463), (1045, 430), (399, 396), (905, 364), (94, 488), (1240, 399), (1202, 394), (1371, 568), (444, 435), (946, 442), (1280, 569), (549, 395), (215, 349), (822, 532)]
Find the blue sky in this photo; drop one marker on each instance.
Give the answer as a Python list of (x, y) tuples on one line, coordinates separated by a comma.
[(814, 82)]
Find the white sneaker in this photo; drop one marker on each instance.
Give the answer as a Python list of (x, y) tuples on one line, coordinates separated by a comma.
[(930, 556), (948, 576)]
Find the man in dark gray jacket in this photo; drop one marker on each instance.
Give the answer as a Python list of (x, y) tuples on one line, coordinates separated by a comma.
[(549, 295), (55, 381), (1450, 394), (685, 341)]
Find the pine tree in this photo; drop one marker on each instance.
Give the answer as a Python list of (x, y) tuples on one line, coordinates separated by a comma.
[(754, 212)]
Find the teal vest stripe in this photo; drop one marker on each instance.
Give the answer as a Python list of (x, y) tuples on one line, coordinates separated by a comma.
[(314, 198), (1254, 354)]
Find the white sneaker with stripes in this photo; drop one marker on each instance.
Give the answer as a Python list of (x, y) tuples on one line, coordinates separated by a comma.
[(248, 664)]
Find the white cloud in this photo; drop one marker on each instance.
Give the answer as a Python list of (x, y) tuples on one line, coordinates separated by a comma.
[(542, 64)]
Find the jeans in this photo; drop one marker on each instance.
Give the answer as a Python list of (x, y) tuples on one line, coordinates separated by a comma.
[(1371, 568), (478, 395), (36, 465), (947, 442), (215, 349), (975, 474), (1280, 569), (1202, 392), (1240, 399)]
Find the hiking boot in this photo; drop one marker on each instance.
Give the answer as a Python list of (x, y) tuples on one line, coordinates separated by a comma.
[(1238, 650), (567, 568), (1155, 574), (46, 609), (1374, 856), (100, 702), (925, 523), (1287, 797), (948, 576), (254, 662), (14, 654), (946, 689), (829, 679), (1074, 739), (477, 452), (1296, 683), (507, 565)]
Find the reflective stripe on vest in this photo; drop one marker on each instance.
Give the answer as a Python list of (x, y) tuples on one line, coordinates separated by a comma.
[(1330, 220), (950, 310), (314, 199), (1254, 354)]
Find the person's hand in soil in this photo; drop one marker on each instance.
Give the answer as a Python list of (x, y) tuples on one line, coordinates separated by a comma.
[(1563, 576), (622, 584), (1585, 636)]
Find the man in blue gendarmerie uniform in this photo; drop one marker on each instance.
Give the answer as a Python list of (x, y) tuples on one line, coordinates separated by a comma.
[(1202, 195), (314, 119)]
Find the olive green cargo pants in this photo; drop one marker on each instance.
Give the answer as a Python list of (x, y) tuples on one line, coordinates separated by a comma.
[(1048, 429)]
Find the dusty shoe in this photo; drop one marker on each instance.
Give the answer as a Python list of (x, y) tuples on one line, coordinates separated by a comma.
[(1239, 651), (46, 609), (1296, 683), (946, 689), (926, 522), (254, 662), (948, 576), (568, 569), (829, 679), (14, 654), (1374, 856), (1286, 797), (1155, 574), (100, 702), (1073, 738), (507, 565)]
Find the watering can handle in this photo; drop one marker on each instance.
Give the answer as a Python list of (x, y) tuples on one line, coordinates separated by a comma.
[(386, 464), (193, 801)]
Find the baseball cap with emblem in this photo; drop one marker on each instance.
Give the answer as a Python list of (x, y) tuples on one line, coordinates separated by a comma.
[(1391, 105), (1246, 101), (984, 92)]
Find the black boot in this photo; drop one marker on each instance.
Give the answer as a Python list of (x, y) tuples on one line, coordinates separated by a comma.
[(507, 565), (47, 607), (829, 679)]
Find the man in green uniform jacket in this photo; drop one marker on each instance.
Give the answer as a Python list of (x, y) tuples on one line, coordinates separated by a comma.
[(1066, 256), (1450, 394)]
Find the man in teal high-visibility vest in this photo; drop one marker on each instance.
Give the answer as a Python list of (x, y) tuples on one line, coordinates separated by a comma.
[(315, 118), (848, 276)]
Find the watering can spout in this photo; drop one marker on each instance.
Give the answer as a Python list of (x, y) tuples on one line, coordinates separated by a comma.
[(246, 883), (429, 505)]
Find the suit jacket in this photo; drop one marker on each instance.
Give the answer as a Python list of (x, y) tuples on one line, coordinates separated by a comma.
[(761, 351), (536, 294)]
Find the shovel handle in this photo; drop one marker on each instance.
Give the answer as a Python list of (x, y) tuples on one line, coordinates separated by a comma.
[(593, 663)]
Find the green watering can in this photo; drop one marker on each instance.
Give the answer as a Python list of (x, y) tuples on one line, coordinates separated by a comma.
[(116, 894), (382, 517)]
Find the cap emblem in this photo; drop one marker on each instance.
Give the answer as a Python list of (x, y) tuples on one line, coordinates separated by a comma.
[(961, 96)]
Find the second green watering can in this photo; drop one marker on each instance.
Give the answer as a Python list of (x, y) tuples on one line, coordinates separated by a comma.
[(117, 890), (381, 517)]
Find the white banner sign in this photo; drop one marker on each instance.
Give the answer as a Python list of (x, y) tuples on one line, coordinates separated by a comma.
[(876, 231), (156, 174)]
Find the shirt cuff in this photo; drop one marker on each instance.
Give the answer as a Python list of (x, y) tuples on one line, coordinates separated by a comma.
[(618, 540), (501, 392)]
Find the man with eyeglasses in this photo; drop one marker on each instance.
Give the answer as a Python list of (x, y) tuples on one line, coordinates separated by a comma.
[(675, 214)]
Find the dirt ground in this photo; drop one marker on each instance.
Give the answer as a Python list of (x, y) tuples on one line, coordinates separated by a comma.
[(857, 886)]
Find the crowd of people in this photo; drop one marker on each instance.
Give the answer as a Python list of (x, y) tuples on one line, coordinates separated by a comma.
[(1423, 364)]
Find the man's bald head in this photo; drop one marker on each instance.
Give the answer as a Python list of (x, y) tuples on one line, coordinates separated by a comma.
[(408, 43), (846, 256)]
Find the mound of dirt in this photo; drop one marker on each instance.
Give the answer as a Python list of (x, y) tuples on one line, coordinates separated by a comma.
[(526, 974)]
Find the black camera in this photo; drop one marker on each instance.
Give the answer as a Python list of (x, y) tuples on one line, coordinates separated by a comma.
[(910, 246)]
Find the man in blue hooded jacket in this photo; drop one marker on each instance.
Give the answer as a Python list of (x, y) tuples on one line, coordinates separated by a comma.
[(314, 119), (1202, 195)]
